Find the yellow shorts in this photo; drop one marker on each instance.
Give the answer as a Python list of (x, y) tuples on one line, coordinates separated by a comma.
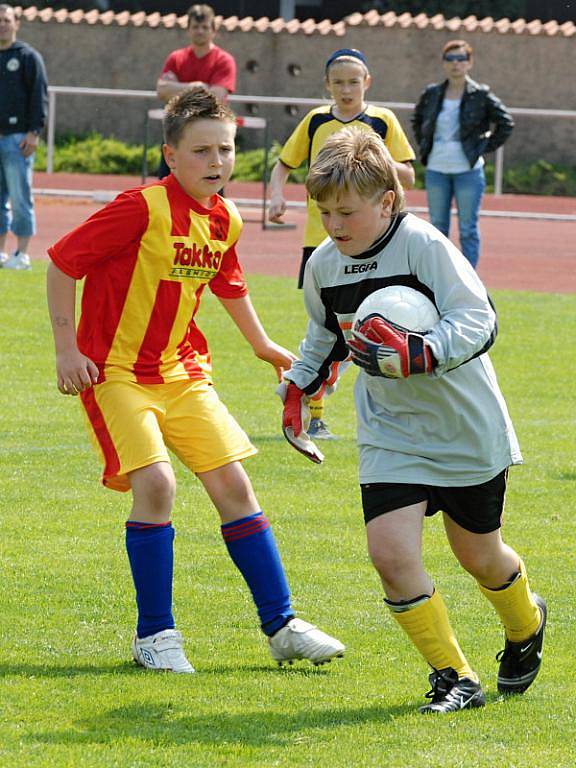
[(132, 426)]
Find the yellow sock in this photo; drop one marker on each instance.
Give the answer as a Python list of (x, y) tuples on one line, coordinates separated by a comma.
[(428, 626), (516, 607), (316, 408)]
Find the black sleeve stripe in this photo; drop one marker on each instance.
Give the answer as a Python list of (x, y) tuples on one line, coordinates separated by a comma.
[(315, 122), (489, 343)]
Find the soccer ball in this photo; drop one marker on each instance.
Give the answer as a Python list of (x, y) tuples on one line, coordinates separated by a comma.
[(405, 307)]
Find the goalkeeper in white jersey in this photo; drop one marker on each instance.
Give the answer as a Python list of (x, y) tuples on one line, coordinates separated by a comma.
[(434, 432)]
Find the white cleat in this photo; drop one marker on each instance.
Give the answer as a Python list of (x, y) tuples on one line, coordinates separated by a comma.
[(3, 258), (300, 640), (18, 260), (162, 652)]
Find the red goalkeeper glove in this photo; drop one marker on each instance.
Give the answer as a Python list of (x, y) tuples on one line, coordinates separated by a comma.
[(296, 420), (383, 349)]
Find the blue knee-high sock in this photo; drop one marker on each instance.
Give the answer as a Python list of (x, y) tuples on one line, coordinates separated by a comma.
[(150, 550), (253, 549)]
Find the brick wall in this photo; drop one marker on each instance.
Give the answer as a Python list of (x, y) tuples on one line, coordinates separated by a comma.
[(531, 69)]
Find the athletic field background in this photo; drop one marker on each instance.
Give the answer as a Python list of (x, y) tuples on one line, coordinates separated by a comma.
[(70, 694)]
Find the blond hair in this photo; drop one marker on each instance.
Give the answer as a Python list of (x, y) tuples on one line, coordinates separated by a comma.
[(354, 160), (189, 106)]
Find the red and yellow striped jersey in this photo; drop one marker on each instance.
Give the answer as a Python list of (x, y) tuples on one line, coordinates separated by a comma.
[(146, 259)]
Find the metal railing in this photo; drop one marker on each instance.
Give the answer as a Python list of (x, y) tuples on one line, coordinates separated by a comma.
[(54, 90)]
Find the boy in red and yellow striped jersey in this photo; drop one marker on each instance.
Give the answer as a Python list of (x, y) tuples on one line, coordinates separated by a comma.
[(142, 369)]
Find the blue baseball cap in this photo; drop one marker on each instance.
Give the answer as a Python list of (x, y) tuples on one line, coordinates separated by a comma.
[(353, 52)]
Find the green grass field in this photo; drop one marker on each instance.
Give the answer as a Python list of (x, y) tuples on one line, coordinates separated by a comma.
[(69, 693)]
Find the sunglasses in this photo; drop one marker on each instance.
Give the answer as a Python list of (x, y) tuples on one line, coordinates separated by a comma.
[(456, 57)]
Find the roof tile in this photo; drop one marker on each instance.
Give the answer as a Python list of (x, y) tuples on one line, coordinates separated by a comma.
[(372, 18), (154, 20), (470, 23), (30, 13), (46, 14), (107, 17), (92, 17), (487, 24), (534, 27), (421, 20), (139, 19), (551, 27), (519, 26), (354, 19), (245, 24), (309, 26), (262, 24), (389, 19), (170, 21), (454, 24)]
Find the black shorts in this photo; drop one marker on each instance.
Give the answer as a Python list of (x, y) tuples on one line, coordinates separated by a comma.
[(476, 508), (306, 253)]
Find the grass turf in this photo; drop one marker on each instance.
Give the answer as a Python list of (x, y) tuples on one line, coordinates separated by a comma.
[(70, 696)]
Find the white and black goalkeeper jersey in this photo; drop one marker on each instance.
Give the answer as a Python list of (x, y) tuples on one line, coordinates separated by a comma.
[(450, 428)]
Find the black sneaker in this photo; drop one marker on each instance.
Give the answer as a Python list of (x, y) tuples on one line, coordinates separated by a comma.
[(520, 662), (450, 693)]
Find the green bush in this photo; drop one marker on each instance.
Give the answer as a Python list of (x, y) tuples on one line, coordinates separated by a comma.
[(250, 163), (541, 178), (536, 178), (96, 154)]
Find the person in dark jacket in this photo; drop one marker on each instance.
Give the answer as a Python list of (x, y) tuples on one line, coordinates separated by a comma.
[(23, 111), (455, 123)]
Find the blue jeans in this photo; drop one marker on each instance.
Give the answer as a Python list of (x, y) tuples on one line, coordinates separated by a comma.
[(16, 188), (467, 188)]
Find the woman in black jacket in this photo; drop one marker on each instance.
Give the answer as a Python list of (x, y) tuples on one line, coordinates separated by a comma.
[(455, 123)]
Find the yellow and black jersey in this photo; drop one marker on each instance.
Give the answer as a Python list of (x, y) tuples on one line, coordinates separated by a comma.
[(311, 134)]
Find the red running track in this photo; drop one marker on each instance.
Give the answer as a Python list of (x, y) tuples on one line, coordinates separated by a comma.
[(517, 254)]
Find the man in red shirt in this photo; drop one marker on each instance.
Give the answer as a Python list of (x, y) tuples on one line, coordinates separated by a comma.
[(201, 64)]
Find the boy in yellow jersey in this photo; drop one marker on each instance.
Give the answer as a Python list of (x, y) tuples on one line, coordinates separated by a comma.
[(142, 367), (347, 79), (434, 432)]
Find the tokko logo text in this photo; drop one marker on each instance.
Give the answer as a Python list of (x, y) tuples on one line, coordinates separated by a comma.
[(196, 257)]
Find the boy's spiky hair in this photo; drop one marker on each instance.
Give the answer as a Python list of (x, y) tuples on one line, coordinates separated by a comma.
[(354, 160), (188, 107)]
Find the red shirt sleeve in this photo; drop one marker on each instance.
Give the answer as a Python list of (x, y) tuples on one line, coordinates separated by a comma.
[(225, 76), (171, 64), (229, 283), (111, 231)]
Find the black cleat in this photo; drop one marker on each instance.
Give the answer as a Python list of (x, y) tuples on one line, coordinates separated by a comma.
[(520, 662), (450, 693)]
